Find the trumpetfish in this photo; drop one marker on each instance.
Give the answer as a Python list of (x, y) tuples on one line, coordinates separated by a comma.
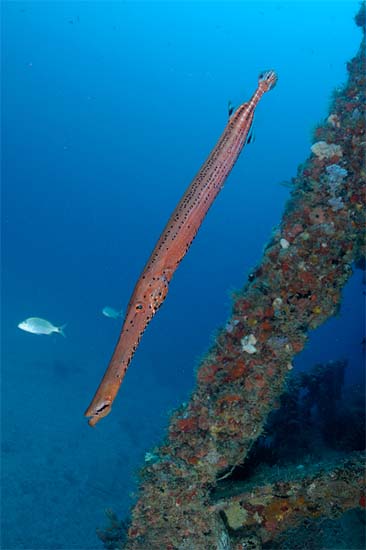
[(152, 287)]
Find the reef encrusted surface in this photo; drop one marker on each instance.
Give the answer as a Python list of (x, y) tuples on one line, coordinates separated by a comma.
[(296, 287), (270, 509)]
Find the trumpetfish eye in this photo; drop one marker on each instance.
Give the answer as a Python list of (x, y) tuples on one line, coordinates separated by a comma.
[(139, 307), (100, 412), (102, 408)]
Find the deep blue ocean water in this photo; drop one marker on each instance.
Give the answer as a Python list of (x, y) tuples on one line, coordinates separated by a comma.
[(109, 109)]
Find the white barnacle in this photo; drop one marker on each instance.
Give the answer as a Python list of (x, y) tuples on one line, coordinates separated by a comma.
[(277, 303), (248, 343)]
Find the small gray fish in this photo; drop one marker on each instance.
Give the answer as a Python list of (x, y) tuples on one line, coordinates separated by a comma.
[(111, 312), (35, 325)]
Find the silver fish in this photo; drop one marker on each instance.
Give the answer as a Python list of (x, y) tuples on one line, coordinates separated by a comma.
[(35, 325), (111, 312)]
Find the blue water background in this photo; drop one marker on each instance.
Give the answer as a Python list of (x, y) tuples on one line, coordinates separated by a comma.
[(109, 109)]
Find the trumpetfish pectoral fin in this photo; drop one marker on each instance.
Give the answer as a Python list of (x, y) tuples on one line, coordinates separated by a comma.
[(251, 137), (230, 108)]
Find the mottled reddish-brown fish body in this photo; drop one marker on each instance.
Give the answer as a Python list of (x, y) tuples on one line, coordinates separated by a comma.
[(174, 242)]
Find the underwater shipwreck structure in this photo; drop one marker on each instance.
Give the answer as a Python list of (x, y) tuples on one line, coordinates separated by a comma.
[(296, 287)]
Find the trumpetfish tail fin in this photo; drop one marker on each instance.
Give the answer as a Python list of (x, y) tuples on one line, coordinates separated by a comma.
[(267, 80)]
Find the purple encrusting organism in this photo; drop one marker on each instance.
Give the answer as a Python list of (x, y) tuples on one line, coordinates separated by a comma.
[(335, 177)]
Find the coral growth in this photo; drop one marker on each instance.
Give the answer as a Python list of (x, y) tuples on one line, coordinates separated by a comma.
[(278, 506), (324, 150)]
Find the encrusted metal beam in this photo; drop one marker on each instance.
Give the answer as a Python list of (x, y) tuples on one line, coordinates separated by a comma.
[(271, 509)]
